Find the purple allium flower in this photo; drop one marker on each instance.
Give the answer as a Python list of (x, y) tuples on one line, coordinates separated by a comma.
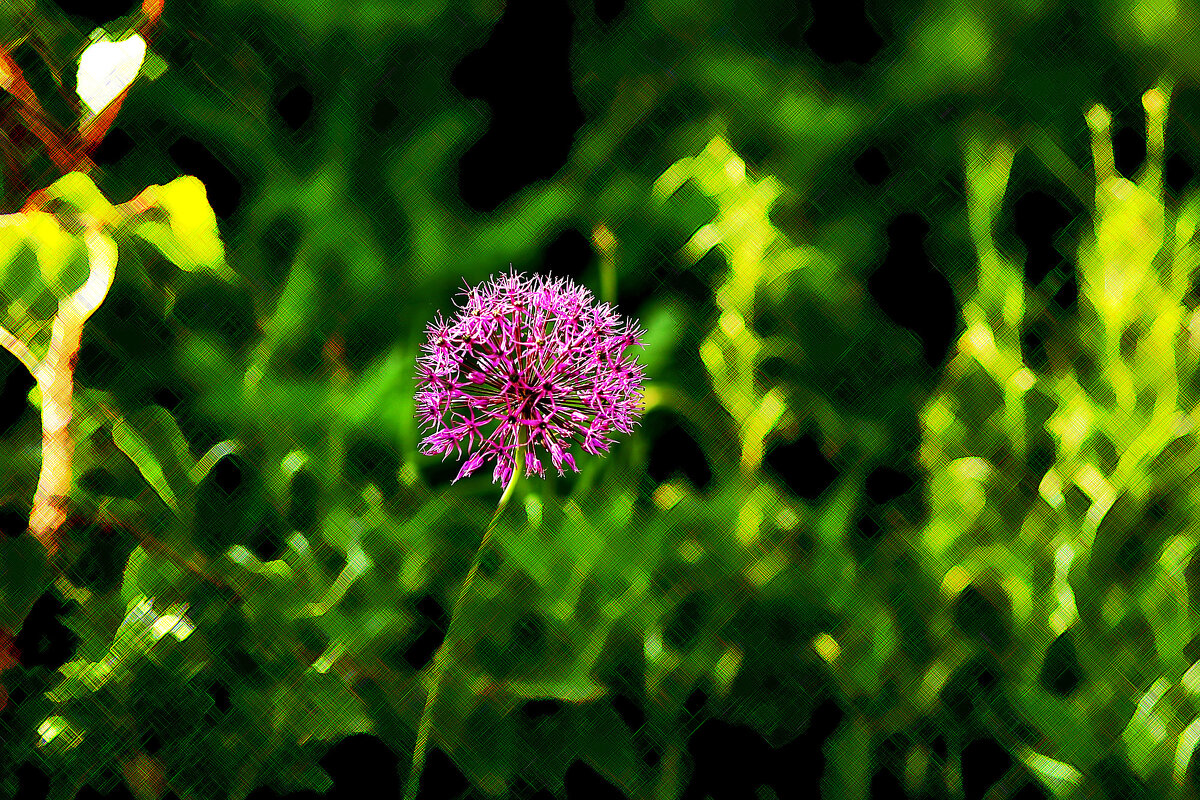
[(527, 360)]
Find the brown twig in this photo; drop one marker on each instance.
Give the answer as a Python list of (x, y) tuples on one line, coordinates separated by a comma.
[(65, 158)]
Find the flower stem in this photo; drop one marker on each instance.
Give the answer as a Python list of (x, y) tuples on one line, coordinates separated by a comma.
[(441, 659)]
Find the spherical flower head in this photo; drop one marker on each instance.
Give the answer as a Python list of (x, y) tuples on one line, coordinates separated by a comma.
[(528, 362)]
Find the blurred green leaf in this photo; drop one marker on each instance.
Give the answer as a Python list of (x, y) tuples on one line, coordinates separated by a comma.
[(152, 440), (150, 575), (319, 707), (138, 632), (848, 762), (25, 576)]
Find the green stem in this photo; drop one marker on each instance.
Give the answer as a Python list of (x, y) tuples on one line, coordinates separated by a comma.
[(442, 658)]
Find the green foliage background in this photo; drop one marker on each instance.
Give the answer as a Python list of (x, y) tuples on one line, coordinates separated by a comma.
[(261, 428)]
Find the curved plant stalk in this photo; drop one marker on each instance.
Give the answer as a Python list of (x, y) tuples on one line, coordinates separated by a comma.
[(441, 659), (55, 377)]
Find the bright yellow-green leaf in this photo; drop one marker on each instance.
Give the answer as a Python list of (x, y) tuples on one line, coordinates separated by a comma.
[(60, 256), (138, 632), (189, 237), (79, 193)]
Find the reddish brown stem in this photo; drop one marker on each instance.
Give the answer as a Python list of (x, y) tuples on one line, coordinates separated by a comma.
[(12, 80)]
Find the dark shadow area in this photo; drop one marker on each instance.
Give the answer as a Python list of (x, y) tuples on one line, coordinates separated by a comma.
[(304, 498), (14, 394), (438, 474), (884, 484), (32, 782), (674, 450), (370, 460), (872, 166), (295, 105), (1061, 671), (118, 792), (267, 793), (123, 344), (523, 74), (218, 308), (441, 778), (1178, 173), (802, 467), (115, 146), (268, 538), (629, 710), (569, 255), (362, 766), (985, 612), (1030, 790), (219, 693), (421, 651), (1117, 779), (14, 518), (97, 12), (885, 785), (984, 762), (864, 537), (44, 641), (607, 11), (660, 276), (232, 509), (914, 293), (533, 710), (974, 686), (1129, 150), (103, 554), (584, 783), (280, 240), (1066, 299), (841, 32), (730, 762), (1038, 219)]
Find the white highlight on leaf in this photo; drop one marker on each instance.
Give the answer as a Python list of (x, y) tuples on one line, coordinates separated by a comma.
[(240, 555), (294, 461), (49, 729), (106, 68), (1065, 614), (177, 625), (52, 727)]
